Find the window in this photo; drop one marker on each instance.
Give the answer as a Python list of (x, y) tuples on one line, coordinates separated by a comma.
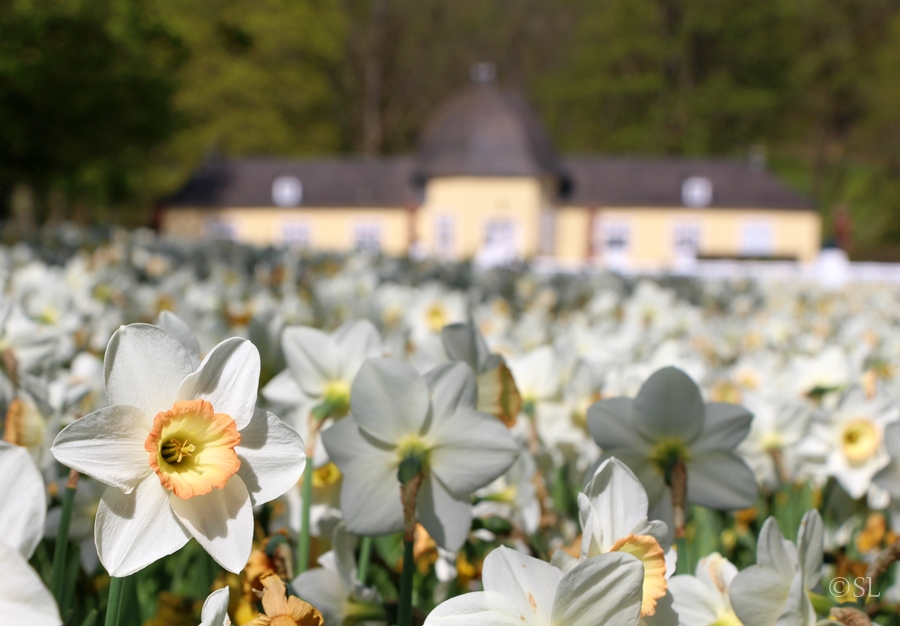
[(215, 228), (696, 192), (443, 236), (296, 234), (615, 236), (499, 241), (757, 238), (367, 237), (687, 239), (287, 191)]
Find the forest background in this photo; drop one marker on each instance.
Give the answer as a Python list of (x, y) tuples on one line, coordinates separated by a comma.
[(108, 105)]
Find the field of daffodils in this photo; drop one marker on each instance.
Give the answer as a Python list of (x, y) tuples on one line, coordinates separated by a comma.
[(216, 434)]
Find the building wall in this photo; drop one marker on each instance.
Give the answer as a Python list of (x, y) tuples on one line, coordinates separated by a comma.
[(319, 228), (454, 220), (651, 233)]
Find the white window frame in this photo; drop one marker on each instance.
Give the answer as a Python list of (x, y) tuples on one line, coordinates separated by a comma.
[(367, 236), (296, 234), (445, 236), (220, 229), (757, 237), (686, 239)]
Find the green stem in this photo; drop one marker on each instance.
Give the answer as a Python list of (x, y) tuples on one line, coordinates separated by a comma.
[(114, 604), (404, 611), (57, 573), (683, 565), (365, 553), (303, 544)]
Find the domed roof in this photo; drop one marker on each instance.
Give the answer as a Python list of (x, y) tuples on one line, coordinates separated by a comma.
[(484, 131)]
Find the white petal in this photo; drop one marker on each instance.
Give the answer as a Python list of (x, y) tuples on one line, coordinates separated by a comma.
[(618, 500), (810, 546), (669, 405), (24, 599), (221, 521), (611, 425), (312, 357), (720, 480), (758, 595), (134, 530), (488, 608), (606, 589), (471, 450), (176, 327), (107, 445), (357, 341), (228, 378), (370, 493), (453, 388), (144, 366), (463, 342), (272, 457), (215, 609), (23, 504), (389, 399), (284, 390), (694, 602), (665, 613), (530, 583), (725, 427), (323, 589), (563, 561), (446, 517), (775, 552), (647, 473)]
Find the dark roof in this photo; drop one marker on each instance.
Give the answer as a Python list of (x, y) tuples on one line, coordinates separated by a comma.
[(386, 182), (483, 131), (633, 182)]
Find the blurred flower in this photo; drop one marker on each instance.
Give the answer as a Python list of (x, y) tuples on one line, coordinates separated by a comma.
[(668, 423), (190, 471), (397, 415)]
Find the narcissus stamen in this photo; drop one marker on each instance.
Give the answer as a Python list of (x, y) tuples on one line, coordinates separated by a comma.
[(191, 448)]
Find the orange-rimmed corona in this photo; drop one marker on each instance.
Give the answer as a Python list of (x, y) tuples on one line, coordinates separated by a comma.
[(192, 448)]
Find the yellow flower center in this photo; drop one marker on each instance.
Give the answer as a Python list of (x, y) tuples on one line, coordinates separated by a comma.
[(436, 317), (667, 453), (650, 553), (191, 448), (326, 476), (413, 447), (861, 440)]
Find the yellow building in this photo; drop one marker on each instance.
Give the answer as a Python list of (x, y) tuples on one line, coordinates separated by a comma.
[(486, 183)]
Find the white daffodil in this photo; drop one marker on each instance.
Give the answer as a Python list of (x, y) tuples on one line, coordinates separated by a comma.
[(779, 425), (848, 443), (215, 609), (184, 453), (537, 375), (24, 599), (398, 415), (776, 589), (702, 600), (523, 591), (668, 423), (334, 588), (321, 369), (613, 515)]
